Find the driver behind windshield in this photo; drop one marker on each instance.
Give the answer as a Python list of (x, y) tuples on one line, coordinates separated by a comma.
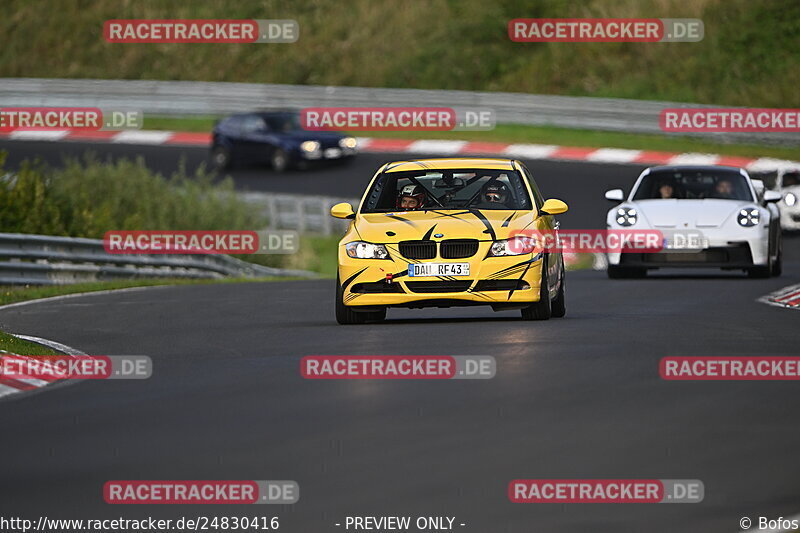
[(666, 190), (493, 196), (724, 189)]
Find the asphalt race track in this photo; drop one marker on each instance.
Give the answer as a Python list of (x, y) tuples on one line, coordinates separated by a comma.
[(578, 397)]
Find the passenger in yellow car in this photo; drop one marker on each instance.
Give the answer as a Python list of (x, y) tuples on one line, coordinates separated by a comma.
[(411, 197)]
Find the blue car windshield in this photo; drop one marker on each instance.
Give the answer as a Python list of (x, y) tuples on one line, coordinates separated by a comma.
[(283, 123)]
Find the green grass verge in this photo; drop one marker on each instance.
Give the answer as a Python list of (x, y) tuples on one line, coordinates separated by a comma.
[(517, 133), (11, 344)]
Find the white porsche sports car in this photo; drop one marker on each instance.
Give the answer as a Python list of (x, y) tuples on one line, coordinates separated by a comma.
[(709, 216)]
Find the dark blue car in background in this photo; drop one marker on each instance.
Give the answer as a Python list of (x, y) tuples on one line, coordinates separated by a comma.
[(275, 138)]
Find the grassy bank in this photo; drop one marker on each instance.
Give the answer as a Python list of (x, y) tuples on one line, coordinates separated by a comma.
[(747, 57), (87, 198), (11, 344)]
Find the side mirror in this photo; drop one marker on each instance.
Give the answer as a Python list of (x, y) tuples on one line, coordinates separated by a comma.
[(553, 207), (343, 210), (615, 195), (772, 196)]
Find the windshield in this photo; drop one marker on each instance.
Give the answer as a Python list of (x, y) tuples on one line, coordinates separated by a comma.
[(694, 185), (285, 122), (447, 189), (791, 179)]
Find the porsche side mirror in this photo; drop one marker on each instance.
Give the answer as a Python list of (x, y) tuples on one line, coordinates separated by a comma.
[(553, 207), (615, 195), (772, 196), (343, 210)]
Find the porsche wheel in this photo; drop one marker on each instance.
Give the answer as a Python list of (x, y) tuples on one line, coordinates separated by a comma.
[(618, 272)]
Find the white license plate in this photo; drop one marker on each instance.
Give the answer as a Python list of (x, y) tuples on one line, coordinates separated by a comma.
[(438, 269), (686, 245), (333, 153)]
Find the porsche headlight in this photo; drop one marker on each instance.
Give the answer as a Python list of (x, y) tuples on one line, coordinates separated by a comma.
[(366, 250), (310, 146), (748, 217), (348, 142), (790, 199), (626, 216), (519, 245)]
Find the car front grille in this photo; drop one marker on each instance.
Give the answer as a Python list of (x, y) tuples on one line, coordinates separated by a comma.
[(418, 249), (450, 249), (459, 248), (439, 286)]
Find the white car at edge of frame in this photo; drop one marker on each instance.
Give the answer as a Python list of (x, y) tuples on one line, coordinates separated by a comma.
[(710, 217)]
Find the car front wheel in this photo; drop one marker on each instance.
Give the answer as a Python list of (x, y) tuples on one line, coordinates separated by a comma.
[(221, 158), (345, 315), (279, 160), (541, 310)]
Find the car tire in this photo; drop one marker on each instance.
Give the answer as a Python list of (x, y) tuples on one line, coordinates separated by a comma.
[(618, 272), (346, 316), (279, 160), (221, 158), (559, 305), (541, 310), (759, 272), (777, 266)]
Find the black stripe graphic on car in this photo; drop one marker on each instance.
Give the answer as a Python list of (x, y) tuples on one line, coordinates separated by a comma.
[(349, 280), (482, 218), (511, 292), (401, 219), (505, 223), (452, 215), (427, 236)]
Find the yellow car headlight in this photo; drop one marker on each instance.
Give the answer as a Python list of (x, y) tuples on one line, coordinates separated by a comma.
[(366, 250)]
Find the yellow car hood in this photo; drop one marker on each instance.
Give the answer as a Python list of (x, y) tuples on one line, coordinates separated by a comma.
[(481, 224)]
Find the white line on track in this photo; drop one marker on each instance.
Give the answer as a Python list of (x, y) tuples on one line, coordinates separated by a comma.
[(142, 137)]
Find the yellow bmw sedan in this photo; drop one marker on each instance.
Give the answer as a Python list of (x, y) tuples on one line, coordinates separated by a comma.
[(449, 232)]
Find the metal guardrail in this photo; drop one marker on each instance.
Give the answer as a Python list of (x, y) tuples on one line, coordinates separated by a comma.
[(306, 214), (47, 260), (218, 98)]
